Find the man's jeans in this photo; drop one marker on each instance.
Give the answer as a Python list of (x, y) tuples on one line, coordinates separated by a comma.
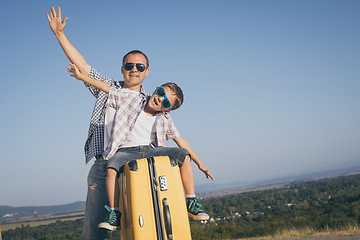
[(95, 212)]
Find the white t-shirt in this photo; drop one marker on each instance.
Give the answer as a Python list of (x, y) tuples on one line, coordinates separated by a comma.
[(143, 132), (109, 121)]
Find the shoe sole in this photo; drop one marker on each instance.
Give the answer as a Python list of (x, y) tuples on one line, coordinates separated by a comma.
[(198, 218), (107, 227)]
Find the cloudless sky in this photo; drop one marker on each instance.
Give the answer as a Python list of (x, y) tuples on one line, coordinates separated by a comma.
[(272, 88)]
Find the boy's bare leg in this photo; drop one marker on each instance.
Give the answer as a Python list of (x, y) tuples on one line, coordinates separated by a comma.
[(193, 206), (187, 176), (112, 187)]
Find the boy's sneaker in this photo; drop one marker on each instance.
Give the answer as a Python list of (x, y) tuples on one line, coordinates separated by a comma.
[(194, 209), (113, 221)]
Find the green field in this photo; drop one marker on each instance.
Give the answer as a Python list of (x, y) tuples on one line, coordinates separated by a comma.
[(41, 221), (325, 207)]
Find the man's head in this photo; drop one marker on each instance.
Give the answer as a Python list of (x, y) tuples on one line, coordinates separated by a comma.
[(166, 98), (134, 69), (136, 52)]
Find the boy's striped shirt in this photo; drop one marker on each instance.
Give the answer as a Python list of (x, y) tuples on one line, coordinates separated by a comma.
[(127, 105)]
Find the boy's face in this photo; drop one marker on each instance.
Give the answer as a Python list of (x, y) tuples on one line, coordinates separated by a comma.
[(155, 102), (133, 78)]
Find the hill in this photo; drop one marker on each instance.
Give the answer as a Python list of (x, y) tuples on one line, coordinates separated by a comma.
[(329, 204), (11, 214), (215, 189)]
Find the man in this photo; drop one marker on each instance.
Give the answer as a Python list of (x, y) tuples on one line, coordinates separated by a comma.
[(94, 145)]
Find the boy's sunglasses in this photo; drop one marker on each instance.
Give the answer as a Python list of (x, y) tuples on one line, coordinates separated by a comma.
[(140, 67), (160, 91)]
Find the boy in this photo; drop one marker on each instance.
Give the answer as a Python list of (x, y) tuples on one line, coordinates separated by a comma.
[(137, 126)]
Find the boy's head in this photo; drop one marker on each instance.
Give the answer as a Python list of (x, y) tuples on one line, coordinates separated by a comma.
[(166, 98)]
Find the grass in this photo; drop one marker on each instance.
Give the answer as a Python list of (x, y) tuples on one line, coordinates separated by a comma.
[(311, 232), (287, 233)]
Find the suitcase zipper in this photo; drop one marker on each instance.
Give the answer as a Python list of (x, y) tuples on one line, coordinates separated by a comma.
[(156, 200)]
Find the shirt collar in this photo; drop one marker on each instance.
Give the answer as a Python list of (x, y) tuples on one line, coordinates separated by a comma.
[(121, 84)]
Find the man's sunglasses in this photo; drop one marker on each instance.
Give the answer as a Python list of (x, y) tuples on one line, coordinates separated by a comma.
[(140, 67), (160, 91)]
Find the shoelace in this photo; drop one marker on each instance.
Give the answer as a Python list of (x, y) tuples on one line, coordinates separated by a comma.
[(112, 215), (195, 206)]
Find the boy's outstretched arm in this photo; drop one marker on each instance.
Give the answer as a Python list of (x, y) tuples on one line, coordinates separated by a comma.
[(57, 27), (182, 143), (103, 86)]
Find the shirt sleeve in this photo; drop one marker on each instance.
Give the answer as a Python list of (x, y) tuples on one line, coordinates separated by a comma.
[(113, 97), (97, 75), (118, 96), (172, 131)]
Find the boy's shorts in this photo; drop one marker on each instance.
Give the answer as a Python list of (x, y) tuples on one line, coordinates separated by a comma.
[(124, 155)]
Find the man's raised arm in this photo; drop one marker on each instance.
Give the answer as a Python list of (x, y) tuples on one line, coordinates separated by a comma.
[(57, 27), (103, 86)]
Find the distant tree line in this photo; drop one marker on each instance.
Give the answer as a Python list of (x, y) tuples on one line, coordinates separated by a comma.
[(60, 230), (332, 203)]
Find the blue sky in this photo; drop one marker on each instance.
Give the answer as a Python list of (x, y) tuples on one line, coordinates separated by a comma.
[(271, 88)]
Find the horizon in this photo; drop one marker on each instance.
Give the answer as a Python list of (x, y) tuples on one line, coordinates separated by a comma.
[(271, 87), (213, 191)]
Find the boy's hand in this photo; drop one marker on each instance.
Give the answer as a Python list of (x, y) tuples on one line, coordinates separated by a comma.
[(55, 22), (206, 171), (75, 72)]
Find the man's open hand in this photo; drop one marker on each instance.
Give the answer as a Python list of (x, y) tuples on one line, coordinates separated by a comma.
[(56, 24)]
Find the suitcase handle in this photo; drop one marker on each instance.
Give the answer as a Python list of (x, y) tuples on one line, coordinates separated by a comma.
[(167, 218)]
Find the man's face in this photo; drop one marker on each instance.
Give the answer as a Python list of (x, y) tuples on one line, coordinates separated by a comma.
[(133, 78)]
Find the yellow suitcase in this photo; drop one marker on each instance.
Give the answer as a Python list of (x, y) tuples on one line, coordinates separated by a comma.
[(152, 201)]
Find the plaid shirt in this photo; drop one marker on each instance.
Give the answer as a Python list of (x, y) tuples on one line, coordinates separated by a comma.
[(128, 105), (94, 144)]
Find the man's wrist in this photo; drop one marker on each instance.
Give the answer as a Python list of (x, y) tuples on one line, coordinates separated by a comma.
[(59, 33)]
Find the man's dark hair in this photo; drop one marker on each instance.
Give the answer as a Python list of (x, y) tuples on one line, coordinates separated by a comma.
[(176, 90), (136, 52)]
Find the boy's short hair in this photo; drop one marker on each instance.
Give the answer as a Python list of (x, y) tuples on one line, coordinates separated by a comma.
[(176, 90), (136, 52)]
